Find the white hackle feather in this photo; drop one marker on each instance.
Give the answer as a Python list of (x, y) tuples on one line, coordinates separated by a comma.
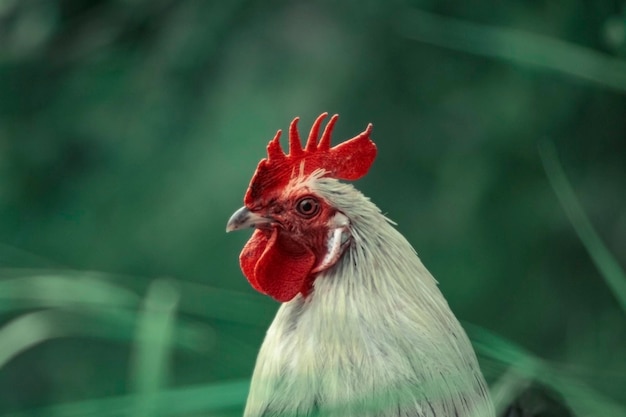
[(374, 338)]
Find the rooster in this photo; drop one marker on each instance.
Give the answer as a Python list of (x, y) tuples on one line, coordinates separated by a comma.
[(363, 329)]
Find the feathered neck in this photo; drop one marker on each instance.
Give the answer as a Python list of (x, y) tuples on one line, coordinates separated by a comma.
[(375, 335), (381, 269)]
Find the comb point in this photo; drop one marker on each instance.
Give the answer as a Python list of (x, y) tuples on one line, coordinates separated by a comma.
[(295, 145), (367, 130), (274, 150), (324, 144), (311, 143)]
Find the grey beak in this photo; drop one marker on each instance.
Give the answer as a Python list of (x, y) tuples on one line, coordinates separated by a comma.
[(243, 219)]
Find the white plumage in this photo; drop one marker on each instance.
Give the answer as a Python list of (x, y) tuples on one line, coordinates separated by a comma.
[(375, 337)]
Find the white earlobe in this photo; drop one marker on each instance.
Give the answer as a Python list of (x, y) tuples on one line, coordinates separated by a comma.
[(338, 237)]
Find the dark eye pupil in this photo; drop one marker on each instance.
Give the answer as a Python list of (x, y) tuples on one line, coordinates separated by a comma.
[(308, 207)]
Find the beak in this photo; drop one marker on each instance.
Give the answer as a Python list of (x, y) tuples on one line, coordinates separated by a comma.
[(244, 218)]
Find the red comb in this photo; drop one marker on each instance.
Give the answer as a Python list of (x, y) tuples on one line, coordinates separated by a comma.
[(349, 160)]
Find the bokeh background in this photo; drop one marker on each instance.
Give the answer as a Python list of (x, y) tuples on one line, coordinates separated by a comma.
[(129, 130)]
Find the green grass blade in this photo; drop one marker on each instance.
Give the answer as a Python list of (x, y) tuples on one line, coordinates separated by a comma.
[(171, 402), (506, 389), (37, 288), (152, 346), (77, 304), (608, 266), (31, 329), (530, 49), (28, 330), (60, 288), (523, 366)]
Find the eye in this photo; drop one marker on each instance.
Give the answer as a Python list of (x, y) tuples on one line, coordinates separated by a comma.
[(307, 207)]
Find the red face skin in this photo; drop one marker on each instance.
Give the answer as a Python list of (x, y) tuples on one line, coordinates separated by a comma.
[(279, 258)]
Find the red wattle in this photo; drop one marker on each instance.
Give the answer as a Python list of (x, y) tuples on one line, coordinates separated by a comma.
[(250, 255), (276, 265)]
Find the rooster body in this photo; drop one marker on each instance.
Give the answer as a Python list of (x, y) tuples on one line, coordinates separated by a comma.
[(368, 333)]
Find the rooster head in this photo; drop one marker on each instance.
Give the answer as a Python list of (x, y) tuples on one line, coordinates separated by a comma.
[(298, 233)]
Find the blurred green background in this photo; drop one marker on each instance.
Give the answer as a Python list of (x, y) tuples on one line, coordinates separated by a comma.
[(129, 130)]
